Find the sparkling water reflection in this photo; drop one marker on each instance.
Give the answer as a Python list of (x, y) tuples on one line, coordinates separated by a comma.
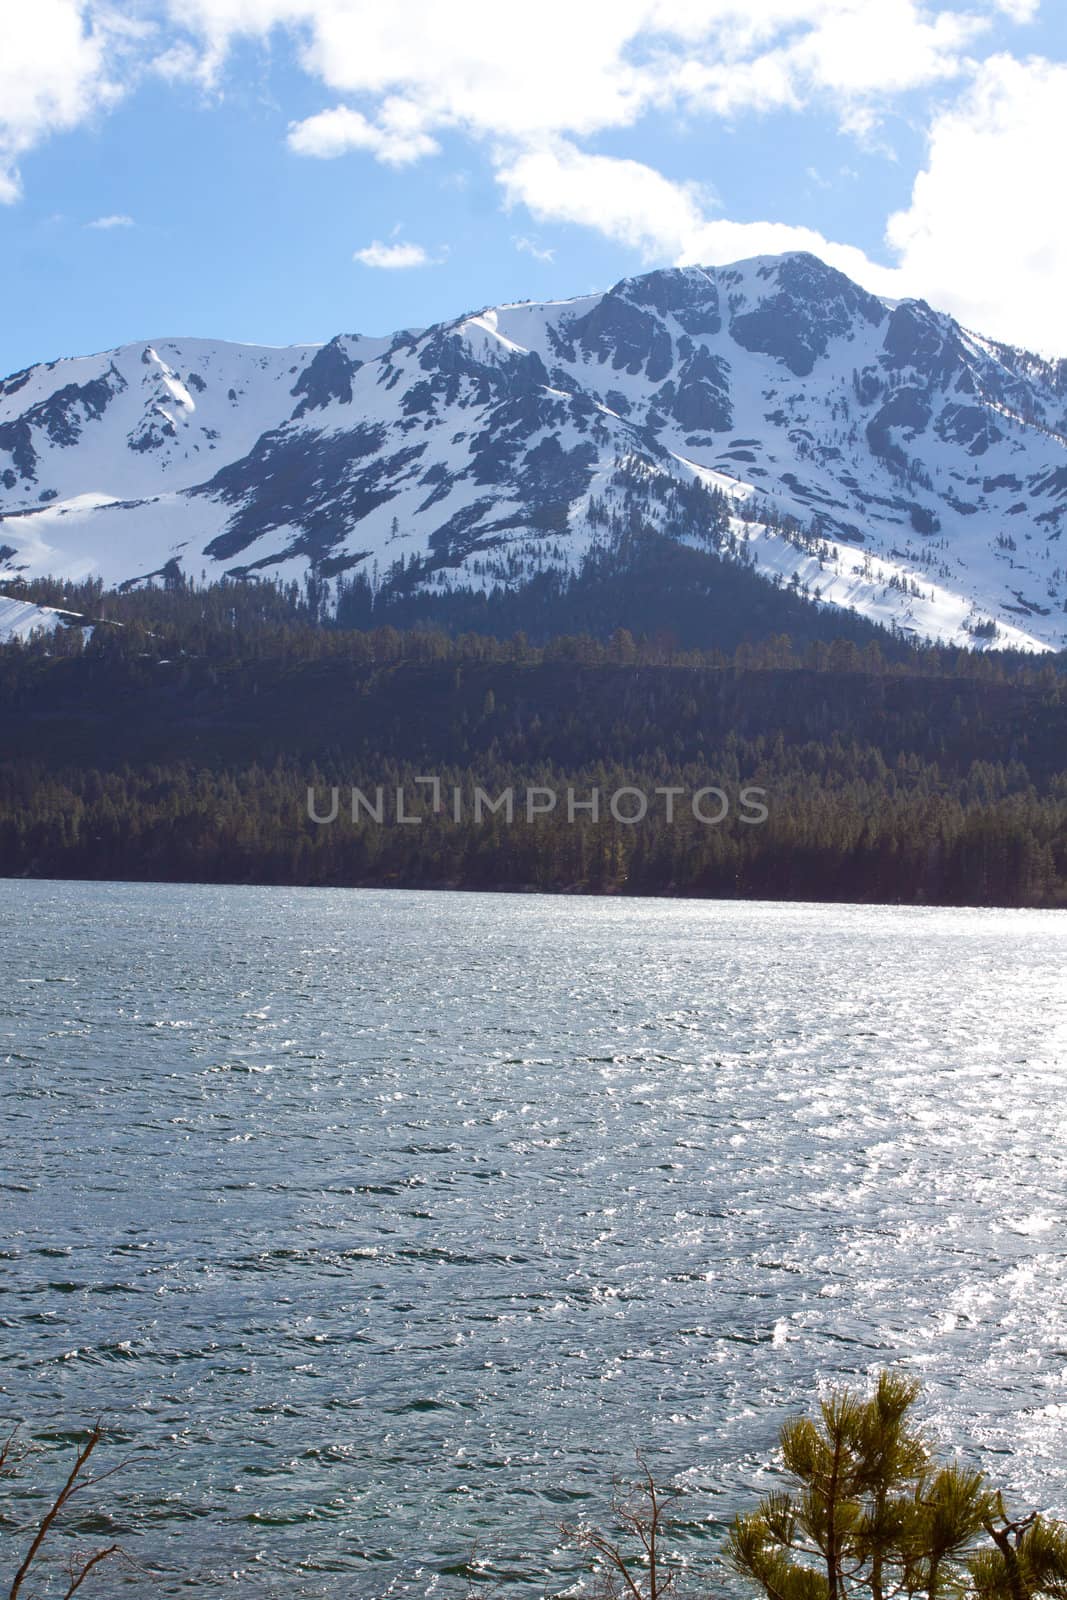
[(380, 1223)]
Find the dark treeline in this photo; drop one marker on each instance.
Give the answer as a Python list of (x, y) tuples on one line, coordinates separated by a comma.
[(840, 840), (182, 745)]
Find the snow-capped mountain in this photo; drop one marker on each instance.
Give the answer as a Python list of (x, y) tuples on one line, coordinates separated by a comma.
[(874, 454)]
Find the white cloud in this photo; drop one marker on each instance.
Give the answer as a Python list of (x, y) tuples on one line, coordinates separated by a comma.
[(115, 221), (55, 70), (850, 54), (567, 71), (985, 235), (460, 63), (860, 49), (530, 247), (1019, 10), (397, 139), (625, 200), (572, 70), (393, 257)]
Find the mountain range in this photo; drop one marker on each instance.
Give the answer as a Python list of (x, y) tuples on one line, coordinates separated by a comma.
[(866, 453)]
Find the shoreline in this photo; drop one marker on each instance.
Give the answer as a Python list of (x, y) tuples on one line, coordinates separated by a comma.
[(528, 890)]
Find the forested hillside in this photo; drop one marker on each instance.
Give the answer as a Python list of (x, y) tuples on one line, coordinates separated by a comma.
[(181, 742)]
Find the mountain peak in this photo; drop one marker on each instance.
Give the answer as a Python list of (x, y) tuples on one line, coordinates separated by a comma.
[(872, 451)]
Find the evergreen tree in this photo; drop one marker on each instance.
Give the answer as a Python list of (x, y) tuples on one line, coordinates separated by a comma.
[(871, 1514)]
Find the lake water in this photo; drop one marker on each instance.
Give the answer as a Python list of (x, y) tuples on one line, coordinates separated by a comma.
[(375, 1224)]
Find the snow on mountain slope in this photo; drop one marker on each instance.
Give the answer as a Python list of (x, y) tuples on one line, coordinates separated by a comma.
[(19, 619), (873, 454), (127, 422)]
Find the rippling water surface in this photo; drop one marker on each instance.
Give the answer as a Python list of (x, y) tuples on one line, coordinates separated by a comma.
[(376, 1224)]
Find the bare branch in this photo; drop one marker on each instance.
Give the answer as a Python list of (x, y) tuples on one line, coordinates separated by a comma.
[(76, 1481), (80, 1576)]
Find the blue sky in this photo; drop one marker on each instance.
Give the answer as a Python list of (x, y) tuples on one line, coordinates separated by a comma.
[(282, 170)]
